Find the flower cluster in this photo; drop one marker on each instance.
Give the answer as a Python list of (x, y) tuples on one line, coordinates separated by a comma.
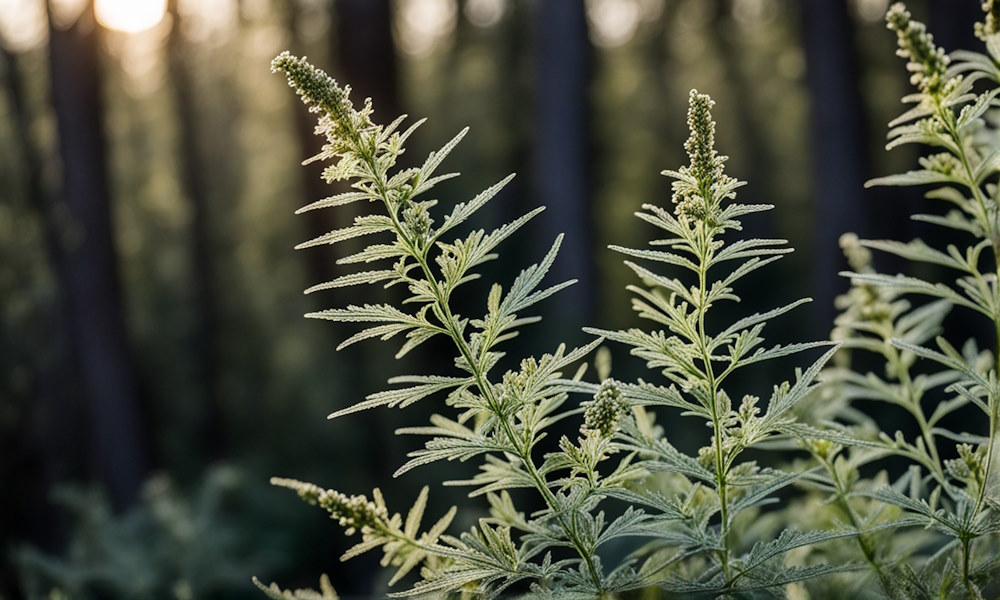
[(418, 221), (927, 62), (317, 89), (991, 24), (969, 467), (605, 411), (702, 185), (864, 305), (351, 512), (351, 136), (945, 163)]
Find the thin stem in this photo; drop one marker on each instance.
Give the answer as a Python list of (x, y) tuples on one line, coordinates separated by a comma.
[(995, 239), (705, 256), (914, 407), (863, 541), (992, 400), (522, 447)]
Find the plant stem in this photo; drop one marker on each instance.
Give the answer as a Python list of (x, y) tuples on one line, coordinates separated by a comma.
[(705, 256), (863, 541), (521, 446), (993, 401)]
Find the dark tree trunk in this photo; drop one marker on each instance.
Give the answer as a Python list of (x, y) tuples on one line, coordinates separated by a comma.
[(365, 59), (366, 54), (193, 180), (561, 170), (838, 151), (951, 22), (88, 263), (753, 147), (42, 451), (319, 261)]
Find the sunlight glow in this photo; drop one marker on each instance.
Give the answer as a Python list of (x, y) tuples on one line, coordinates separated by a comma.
[(615, 22), (870, 11), (422, 25), (130, 16), (23, 24), (485, 13)]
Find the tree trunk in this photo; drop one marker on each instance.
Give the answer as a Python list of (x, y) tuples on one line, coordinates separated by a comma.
[(561, 170), (838, 152), (194, 184), (88, 264), (319, 261), (366, 54), (42, 448), (951, 22)]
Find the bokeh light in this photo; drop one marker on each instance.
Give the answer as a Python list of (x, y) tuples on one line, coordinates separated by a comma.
[(130, 16)]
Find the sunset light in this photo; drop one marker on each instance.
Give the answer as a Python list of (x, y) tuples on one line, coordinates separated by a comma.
[(130, 16)]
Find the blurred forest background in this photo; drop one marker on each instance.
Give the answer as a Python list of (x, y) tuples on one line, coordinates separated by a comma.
[(155, 368)]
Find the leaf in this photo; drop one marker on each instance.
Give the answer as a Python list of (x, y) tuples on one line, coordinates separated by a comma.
[(940, 518), (786, 575), (779, 351), (383, 332), (975, 110), (403, 397), (751, 248), (913, 285), (923, 177), (482, 251), (434, 159), (788, 540), (337, 200), (364, 225), (658, 256), (669, 284), (758, 494), (374, 252), (754, 319), (276, 593), (520, 296), (451, 441), (838, 436), (720, 288), (629, 524), (948, 361), (917, 250), (359, 278), (463, 211), (988, 167)]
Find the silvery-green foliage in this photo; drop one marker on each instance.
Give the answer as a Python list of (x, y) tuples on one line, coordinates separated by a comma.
[(697, 551), (950, 490), (688, 520), (175, 543), (273, 591)]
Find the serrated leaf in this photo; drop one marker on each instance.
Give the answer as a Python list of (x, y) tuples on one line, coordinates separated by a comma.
[(434, 159), (463, 210), (912, 178), (402, 397), (366, 225), (359, 278), (336, 200), (913, 285)]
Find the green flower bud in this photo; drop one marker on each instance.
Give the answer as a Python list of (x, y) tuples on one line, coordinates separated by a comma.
[(605, 411)]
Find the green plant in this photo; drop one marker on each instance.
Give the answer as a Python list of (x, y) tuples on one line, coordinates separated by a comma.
[(170, 545), (690, 523), (949, 488)]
